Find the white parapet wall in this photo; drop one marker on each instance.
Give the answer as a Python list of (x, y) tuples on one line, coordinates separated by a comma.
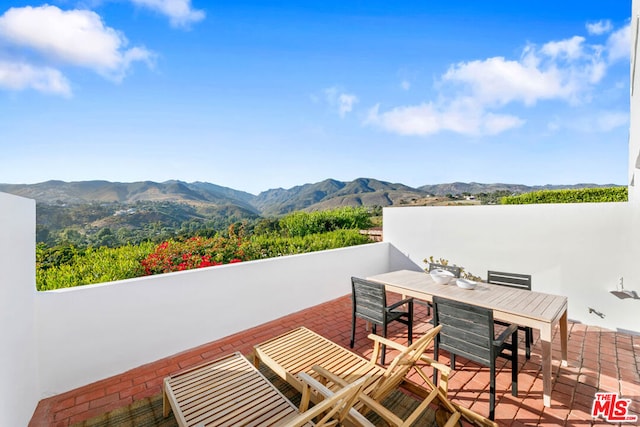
[(578, 250), (93, 332), (19, 393)]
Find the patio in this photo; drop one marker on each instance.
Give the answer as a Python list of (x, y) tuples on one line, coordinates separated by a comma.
[(75, 355), (599, 360)]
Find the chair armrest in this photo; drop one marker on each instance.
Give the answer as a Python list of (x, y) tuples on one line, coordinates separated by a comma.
[(500, 341), (396, 346), (378, 340), (329, 375), (315, 384), (444, 369), (399, 303)]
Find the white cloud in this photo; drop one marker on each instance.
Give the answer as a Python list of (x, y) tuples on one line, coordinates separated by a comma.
[(600, 27), (608, 121), (619, 44), (21, 76), (340, 100), (345, 103), (602, 122), (428, 119), (405, 85), (493, 124), (558, 70), (74, 37), (570, 48), (472, 93), (180, 12), (497, 81), (412, 120)]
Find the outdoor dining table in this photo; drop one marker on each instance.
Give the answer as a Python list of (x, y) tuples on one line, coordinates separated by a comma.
[(523, 307)]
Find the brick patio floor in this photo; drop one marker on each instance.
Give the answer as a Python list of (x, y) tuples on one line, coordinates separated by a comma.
[(599, 360)]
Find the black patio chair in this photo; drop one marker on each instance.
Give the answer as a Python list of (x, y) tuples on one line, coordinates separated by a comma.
[(468, 331), (369, 300), (518, 281)]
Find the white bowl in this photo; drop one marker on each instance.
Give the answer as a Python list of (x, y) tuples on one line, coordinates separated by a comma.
[(442, 277), (466, 284)]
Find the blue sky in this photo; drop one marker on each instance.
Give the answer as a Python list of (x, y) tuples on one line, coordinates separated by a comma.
[(256, 95)]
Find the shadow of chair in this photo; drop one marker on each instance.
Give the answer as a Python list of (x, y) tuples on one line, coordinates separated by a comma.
[(369, 302), (518, 281), (468, 331)]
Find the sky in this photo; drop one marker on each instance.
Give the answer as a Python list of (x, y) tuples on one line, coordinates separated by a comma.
[(262, 94)]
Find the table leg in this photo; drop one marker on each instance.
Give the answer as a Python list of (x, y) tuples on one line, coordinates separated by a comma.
[(564, 337), (545, 339)]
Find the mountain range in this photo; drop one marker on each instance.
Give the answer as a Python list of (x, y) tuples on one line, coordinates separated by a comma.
[(329, 193)]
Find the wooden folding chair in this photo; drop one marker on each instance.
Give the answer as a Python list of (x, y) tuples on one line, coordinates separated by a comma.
[(302, 350)]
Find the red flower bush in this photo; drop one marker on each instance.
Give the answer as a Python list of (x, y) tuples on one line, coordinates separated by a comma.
[(195, 252)]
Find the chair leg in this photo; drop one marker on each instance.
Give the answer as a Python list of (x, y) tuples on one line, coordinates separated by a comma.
[(410, 324), (528, 338), (384, 347), (353, 330), (452, 365), (492, 390), (436, 353), (514, 363)]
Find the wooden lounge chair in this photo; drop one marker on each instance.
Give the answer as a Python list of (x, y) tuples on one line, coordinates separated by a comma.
[(302, 350), (230, 391)]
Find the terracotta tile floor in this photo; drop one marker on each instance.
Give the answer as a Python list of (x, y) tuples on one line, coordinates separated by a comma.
[(599, 360)]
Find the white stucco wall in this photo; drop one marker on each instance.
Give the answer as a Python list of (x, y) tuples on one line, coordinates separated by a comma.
[(19, 393), (93, 332), (577, 250)]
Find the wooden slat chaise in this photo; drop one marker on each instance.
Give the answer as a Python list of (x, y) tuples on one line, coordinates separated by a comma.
[(302, 350), (230, 391)]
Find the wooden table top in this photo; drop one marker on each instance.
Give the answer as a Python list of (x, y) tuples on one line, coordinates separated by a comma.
[(537, 306)]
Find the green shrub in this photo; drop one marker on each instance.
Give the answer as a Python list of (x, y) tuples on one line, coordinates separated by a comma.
[(304, 223), (584, 195), (97, 265), (94, 265), (269, 246)]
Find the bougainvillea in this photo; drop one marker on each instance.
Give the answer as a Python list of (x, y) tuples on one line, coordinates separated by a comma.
[(195, 252)]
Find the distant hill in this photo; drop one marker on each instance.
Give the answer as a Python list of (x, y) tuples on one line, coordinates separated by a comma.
[(331, 193), (477, 188), (60, 192), (103, 212), (325, 194)]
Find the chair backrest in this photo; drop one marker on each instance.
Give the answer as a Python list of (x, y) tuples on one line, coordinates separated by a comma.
[(467, 330), (402, 364), (452, 268), (513, 280), (369, 299)]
